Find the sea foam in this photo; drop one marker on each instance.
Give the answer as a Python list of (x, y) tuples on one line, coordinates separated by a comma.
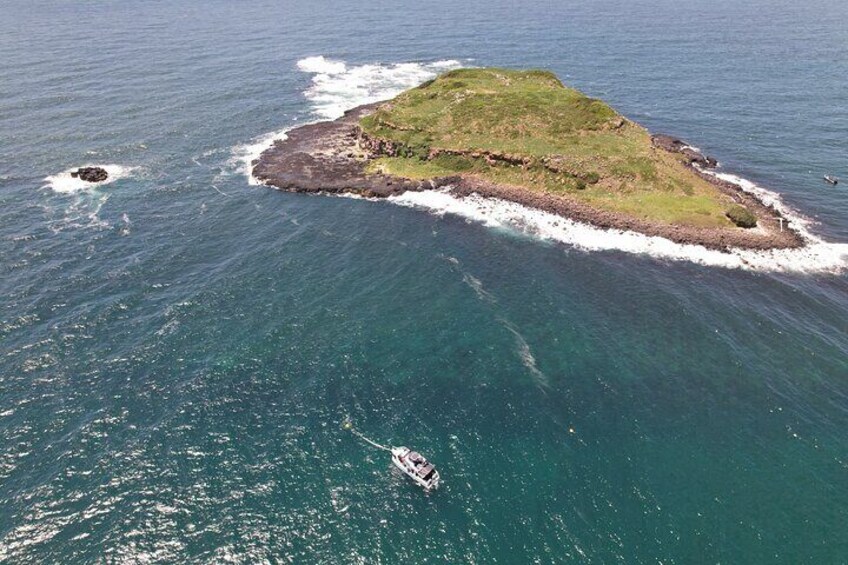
[(320, 64), (337, 87), (244, 155), (816, 256)]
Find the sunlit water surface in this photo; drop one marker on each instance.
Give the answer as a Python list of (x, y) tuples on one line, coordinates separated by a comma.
[(179, 347)]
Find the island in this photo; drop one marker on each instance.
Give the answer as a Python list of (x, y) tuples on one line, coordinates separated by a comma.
[(524, 137)]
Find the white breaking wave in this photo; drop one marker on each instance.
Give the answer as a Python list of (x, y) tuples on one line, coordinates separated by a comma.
[(337, 87), (320, 64), (244, 155), (65, 183), (816, 256), (769, 198)]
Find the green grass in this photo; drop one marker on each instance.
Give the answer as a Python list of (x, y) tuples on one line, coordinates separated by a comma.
[(603, 158)]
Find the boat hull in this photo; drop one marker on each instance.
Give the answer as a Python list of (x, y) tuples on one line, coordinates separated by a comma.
[(399, 459)]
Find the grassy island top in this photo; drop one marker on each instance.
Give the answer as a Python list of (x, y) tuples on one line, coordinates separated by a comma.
[(525, 128)]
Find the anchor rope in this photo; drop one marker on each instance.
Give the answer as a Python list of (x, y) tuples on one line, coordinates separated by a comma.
[(354, 431)]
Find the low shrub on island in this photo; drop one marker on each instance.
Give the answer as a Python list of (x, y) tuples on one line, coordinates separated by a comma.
[(741, 216)]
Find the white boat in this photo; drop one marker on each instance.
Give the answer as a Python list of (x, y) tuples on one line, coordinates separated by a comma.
[(831, 179), (414, 465), (411, 463)]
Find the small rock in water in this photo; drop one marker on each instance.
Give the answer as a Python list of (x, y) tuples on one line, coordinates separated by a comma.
[(91, 174)]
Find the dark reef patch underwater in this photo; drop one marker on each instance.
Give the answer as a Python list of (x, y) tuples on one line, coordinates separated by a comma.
[(180, 346)]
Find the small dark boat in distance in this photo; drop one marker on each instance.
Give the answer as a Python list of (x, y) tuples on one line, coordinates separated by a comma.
[(831, 179)]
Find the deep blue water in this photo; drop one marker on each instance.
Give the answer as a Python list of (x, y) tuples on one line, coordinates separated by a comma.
[(178, 348)]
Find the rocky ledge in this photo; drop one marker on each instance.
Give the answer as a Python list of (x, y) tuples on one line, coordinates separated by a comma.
[(331, 157)]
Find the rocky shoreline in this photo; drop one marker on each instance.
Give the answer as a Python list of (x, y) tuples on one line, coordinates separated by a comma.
[(331, 157)]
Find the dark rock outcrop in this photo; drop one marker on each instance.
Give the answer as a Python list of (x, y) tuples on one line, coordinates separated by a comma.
[(91, 174), (674, 145)]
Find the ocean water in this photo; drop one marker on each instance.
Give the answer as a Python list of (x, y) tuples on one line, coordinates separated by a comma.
[(179, 347)]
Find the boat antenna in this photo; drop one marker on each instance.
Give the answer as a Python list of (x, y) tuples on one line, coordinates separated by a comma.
[(348, 425)]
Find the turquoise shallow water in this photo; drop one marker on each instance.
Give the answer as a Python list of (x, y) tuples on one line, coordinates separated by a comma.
[(179, 347)]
